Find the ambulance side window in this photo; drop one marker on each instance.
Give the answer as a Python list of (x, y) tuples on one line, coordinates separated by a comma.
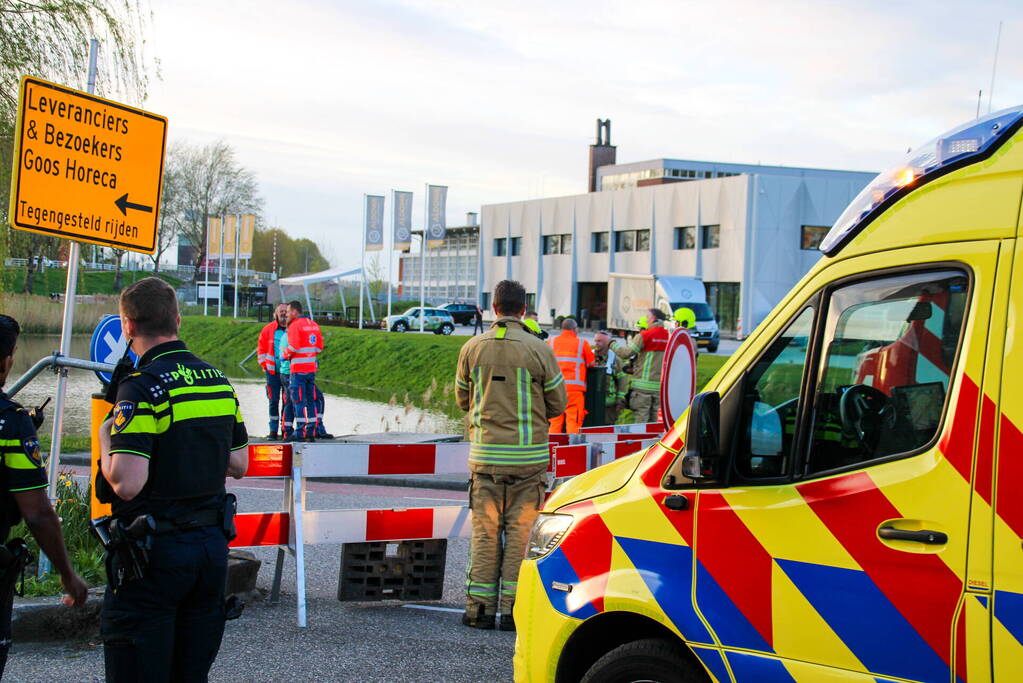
[(770, 403), (889, 348)]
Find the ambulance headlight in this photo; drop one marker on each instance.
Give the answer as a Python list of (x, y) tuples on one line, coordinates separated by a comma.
[(967, 144), (548, 530)]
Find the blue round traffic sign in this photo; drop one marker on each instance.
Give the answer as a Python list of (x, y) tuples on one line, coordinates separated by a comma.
[(108, 345)]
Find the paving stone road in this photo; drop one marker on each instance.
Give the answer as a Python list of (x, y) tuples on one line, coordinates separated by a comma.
[(386, 641)]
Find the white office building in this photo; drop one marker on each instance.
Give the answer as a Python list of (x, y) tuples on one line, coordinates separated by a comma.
[(749, 232), (451, 267)]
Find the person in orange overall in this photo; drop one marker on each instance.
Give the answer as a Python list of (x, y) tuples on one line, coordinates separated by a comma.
[(574, 355)]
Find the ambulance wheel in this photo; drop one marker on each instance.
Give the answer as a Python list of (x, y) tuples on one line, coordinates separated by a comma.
[(447, 328), (400, 327), (712, 347), (651, 659)]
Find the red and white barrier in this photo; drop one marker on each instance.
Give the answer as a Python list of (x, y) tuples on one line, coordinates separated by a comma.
[(407, 524), (648, 427), (574, 459), (326, 459), (293, 527)]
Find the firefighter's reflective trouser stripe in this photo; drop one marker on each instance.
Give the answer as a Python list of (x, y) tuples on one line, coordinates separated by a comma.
[(570, 421), (504, 507), (645, 405)]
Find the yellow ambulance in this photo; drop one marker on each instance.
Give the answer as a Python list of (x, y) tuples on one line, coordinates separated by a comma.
[(844, 502)]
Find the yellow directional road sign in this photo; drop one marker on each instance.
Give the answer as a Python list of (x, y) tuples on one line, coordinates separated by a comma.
[(86, 168)]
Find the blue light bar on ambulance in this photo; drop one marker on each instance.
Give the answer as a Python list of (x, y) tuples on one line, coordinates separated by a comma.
[(967, 144)]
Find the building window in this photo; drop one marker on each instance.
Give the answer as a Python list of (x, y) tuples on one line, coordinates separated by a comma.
[(632, 240), (642, 240), (485, 301), (557, 244), (499, 246), (531, 301), (812, 236), (685, 237), (600, 242), (625, 240), (711, 237), (516, 243)]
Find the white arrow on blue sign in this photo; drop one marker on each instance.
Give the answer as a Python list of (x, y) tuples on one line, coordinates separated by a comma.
[(108, 345)]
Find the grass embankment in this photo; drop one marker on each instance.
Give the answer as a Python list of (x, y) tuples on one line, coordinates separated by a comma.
[(364, 363)]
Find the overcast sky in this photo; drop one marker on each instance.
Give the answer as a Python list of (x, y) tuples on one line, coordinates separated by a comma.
[(324, 101)]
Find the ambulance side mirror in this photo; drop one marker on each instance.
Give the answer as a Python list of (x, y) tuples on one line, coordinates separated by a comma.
[(703, 437)]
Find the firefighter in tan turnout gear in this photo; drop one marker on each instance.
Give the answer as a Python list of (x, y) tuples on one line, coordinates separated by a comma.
[(510, 386), (646, 349)]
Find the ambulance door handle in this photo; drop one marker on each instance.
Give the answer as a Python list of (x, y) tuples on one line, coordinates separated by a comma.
[(890, 533)]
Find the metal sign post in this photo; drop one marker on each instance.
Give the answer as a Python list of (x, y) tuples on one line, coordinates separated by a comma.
[(65, 338)]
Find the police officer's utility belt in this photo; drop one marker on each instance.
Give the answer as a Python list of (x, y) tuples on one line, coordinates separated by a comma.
[(196, 520), (128, 542)]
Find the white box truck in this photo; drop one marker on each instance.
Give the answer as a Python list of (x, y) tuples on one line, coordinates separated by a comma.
[(629, 296)]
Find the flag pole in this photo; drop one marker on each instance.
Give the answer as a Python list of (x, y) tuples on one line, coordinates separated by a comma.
[(390, 258), (422, 265), (362, 274), (206, 276), (220, 269), (237, 257)]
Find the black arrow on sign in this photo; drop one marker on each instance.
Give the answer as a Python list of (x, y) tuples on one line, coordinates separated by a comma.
[(123, 203)]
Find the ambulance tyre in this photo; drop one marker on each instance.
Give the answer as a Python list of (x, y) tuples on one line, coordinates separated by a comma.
[(651, 659), (447, 328), (400, 326), (712, 347)]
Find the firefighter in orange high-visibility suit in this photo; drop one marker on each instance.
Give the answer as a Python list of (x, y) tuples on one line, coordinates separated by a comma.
[(574, 355)]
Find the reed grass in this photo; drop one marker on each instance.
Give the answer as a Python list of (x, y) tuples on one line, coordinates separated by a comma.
[(40, 315)]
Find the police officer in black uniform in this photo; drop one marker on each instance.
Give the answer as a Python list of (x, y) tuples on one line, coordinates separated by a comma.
[(23, 485), (174, 433)]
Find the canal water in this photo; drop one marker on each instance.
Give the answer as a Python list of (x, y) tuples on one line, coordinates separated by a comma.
[(343, 415)]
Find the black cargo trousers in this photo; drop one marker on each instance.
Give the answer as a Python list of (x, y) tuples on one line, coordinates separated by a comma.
[(167, 626)]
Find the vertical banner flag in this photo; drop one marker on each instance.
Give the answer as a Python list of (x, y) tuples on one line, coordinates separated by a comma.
[(436, 221), (402, 220), (213, 239), (229, 228), (248, 232), (374, 222)]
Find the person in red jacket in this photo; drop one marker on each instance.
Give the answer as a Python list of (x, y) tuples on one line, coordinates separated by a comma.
[(305, 342), (268, 355)]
